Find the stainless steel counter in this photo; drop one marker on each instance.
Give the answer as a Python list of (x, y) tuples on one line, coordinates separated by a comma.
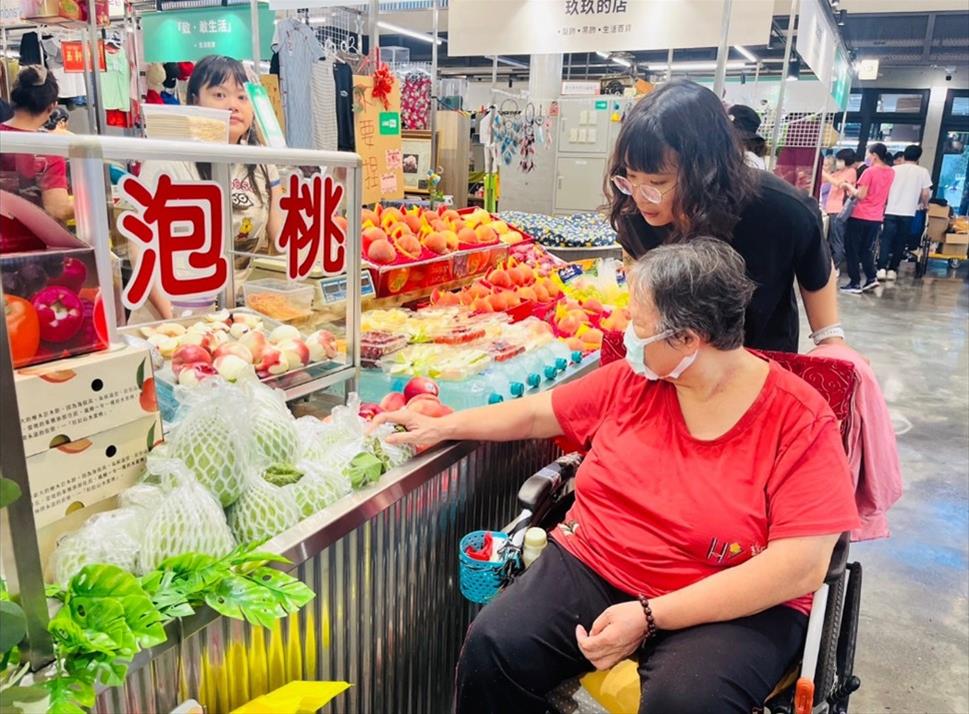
[(388, 617)]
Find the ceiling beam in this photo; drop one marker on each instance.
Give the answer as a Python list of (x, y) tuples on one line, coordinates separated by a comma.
[(929, 36)]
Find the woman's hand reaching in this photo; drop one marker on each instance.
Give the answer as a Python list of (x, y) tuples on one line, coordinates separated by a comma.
[(616, 634), (421, 431)]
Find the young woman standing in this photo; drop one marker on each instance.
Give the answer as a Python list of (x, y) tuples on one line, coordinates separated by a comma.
[(866, 219)]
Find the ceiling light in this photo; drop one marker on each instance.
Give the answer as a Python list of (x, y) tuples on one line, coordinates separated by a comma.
[(604, 55), (398, 30), (693, 66), (794, 69), (509, 62), (746, 53), (622, 62)]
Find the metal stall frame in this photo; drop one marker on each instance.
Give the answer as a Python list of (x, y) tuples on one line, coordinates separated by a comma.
[(87, 155)]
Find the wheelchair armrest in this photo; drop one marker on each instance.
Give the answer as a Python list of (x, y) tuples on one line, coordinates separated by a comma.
[(542, 488), (839, 558)]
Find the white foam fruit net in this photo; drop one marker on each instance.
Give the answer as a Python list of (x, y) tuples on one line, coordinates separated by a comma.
[(262, 511)]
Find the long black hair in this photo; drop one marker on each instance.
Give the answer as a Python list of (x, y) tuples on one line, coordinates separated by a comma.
[(684, 125), (34, 90), (212, 71)]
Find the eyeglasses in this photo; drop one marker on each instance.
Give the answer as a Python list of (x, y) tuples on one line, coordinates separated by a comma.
[(646, 192)]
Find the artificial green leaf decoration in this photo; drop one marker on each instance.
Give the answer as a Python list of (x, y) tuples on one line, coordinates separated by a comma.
[(12, 697), (9, 492), (144, 620), (13, 625), (290, 594), (239, 597), (69, 694)]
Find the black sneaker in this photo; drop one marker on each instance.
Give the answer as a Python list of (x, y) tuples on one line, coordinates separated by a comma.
[(870, 285), (851, 288)]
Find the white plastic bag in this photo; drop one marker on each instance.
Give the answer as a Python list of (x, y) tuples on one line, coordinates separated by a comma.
[(188, 518), (111, 538), (272, 425)]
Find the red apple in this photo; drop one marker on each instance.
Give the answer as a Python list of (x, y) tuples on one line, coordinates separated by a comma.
[(369, 410), (420, 385), (393, 402), (188, 355)]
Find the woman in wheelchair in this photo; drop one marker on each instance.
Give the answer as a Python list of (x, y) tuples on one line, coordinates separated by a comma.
[(705, 513)]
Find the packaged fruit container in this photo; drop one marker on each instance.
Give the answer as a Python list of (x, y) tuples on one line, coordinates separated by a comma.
[(376, 345), (281, 300), (396, 278), (52, 300), (444, 362), (458, 335), (504, 350)]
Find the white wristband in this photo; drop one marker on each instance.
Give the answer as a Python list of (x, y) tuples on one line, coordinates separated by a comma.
[(828, 332)]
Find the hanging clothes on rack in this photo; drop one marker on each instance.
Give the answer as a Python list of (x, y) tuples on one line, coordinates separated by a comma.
[(325, 131), (343, 79), (30, 52), (116, 80), (298, 50), (415, 100), (69, 84)]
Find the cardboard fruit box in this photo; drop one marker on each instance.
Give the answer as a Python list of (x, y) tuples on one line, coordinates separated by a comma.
[(956, 239), (64, 401), (84, 472), (52, 299)]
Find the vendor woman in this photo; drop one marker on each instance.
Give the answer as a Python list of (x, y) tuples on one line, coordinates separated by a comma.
[(678, 170), (705, 513), (220, 83)]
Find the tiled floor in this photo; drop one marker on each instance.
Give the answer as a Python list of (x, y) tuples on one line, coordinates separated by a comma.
[(913, 651)]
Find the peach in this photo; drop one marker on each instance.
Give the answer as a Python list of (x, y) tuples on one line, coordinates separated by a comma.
[(500, 278), (478, 290), (498, 302), (616, 322), (513, 299), (409, 246), (232, 368), (593, 305), (451, 238), (541, 294), (370, 236), (321, 343), (486, 234), (271, 361), (500, 227), (526, 293), (255, 342), (576, 345), (451, 215), (413, 222), (235, 349), (381, 252), (467, 235), (399, 230), (482, 305), (569, 325), (512, 237), (341, 222), (466, 298), (457, 225), (367, 215), (296, 353), (437, 243), (592, 337), (390, 216)]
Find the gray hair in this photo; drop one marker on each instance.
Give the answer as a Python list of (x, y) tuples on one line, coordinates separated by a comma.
[(699, 285)]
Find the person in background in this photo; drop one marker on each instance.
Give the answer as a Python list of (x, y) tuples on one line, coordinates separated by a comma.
[(38, 178), (827, 166), (219, 83), (58, 122), (844, 174), (746, 122), (899, 158), (6, 111), (909, 193), (866, 219)]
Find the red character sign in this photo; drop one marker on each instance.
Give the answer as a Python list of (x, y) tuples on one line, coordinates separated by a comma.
[(309, 232), (177, 219)]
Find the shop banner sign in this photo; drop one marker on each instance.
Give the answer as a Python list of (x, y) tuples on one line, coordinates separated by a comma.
[(190, 35), (378, 140), (179, 228), (72, 52), (524, 27), (580, 88)]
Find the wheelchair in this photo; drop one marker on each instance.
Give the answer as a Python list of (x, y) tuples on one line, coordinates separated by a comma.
[(824, 679)]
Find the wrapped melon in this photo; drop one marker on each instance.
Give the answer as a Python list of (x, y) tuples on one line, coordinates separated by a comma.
[(272, 426), (212, 438), (113, 538), (262, 511), (318, 488), (188, 519)]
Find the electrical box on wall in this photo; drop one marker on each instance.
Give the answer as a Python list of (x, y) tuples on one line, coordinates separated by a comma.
[(588, 129)]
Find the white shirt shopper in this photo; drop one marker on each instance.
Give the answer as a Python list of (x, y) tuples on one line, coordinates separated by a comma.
[(909, 192)]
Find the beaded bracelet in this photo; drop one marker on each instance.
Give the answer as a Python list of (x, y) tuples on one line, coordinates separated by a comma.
[(650, 622)]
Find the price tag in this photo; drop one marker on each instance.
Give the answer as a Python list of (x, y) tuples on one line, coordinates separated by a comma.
[(569, 273), (335, 289)]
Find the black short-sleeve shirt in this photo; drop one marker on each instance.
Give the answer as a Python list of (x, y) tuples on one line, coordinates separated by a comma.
[(780, 237)]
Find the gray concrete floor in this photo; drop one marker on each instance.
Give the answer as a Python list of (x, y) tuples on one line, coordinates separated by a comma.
[(913, 650)]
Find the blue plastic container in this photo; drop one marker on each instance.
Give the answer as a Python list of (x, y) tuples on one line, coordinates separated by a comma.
[(482, 580)]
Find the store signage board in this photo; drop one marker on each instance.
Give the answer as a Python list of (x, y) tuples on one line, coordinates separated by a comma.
[(816, 38), (489, 27), (841, 79), (377, 142), (190, 35), (180, 230), (580, 88), (72, 52), (602, 105), (335, 289)]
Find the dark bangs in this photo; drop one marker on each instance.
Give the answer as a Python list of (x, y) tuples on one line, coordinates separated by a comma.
[(213, 71), (683, 126)]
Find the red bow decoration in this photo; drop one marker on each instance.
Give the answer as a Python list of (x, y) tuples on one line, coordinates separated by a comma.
[(383, 83)]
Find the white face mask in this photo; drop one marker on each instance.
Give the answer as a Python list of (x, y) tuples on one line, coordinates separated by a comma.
[(636, 355), (839, 164)]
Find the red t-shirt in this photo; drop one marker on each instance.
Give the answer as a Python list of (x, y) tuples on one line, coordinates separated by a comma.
[(657, 510), (879, 180), (28, 175)]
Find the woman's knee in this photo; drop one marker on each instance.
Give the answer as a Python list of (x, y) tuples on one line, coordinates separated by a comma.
[(692, 693)]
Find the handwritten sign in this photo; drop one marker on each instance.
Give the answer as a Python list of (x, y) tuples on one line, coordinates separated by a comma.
[(394, 160), (373, 144)]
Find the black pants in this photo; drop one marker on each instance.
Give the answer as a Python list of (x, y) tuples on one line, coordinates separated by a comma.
[(860, 237), (836, 238), (896, 231), (522, 645)]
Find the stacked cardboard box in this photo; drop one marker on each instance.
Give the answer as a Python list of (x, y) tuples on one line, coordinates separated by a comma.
[(938, 223)]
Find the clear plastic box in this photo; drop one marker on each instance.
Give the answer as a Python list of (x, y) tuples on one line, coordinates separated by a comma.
[(375, 345), (281, 300)]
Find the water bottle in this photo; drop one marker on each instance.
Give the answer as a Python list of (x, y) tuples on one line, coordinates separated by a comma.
[(535, 541)]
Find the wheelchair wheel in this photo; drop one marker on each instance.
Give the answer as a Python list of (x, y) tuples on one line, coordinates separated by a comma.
[(847, 642), (827, 675)]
